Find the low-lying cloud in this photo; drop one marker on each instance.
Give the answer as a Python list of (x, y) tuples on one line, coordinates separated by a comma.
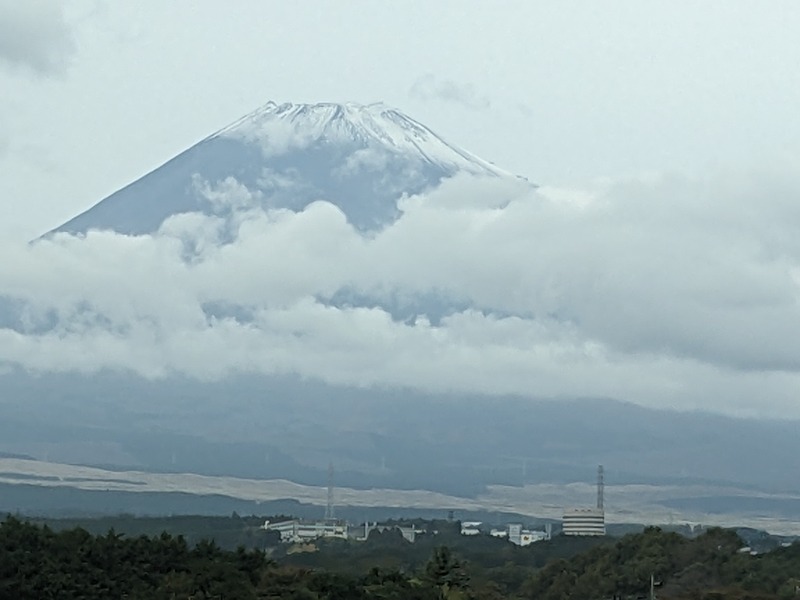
[(667, 291)]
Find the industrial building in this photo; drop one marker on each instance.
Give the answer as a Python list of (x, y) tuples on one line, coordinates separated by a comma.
[(513, 532), (298, 531), (587, 521), (584, 521)]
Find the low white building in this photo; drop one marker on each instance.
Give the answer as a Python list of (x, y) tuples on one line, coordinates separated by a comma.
[(471, 527), (519, 536), (409, 533), (298, 531), (527, 537)]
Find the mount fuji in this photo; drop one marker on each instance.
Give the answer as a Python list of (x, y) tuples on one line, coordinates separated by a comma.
[(362, 158), (232, 342)]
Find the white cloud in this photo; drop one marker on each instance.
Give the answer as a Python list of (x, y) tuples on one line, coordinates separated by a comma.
[(34, 34), (665, 291), (275, 137), (430, 87), (363, 159), (227, 195)]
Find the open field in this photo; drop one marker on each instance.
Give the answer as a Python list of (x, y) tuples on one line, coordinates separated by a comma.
[(707, 505)]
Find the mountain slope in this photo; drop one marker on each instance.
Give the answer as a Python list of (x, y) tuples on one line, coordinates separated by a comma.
[(360, 157)]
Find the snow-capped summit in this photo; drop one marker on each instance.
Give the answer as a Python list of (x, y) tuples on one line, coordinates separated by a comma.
[(281, 127), (360, 157)]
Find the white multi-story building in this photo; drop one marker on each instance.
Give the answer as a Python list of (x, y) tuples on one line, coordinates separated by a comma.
[(515, 534), (584, 521)]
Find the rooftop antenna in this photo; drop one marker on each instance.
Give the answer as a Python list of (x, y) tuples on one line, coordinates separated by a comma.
[(600, 487), (329, 505)]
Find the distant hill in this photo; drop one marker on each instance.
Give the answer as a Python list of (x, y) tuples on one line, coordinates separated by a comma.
[(291, 428)]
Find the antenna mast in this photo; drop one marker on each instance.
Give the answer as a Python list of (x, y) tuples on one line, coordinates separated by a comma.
[(600, 487)]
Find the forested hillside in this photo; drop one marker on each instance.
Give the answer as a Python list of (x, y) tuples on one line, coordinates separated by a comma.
[(39, 563)]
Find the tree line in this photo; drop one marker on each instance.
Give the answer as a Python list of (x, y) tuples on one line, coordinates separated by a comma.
[(39, 563)]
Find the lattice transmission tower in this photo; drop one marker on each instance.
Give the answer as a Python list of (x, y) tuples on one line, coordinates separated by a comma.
[(329, 513), (600, 486)]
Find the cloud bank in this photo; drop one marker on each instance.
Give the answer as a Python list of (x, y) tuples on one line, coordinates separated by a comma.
[(664, 291)]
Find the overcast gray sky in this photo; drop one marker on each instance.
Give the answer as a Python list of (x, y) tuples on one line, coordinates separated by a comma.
[(659, 263)]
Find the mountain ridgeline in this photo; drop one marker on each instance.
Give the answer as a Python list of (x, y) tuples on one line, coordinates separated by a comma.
[(272, 427), (361, 158)]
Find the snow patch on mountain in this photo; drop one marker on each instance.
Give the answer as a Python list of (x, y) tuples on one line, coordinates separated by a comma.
[(280, 128)]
